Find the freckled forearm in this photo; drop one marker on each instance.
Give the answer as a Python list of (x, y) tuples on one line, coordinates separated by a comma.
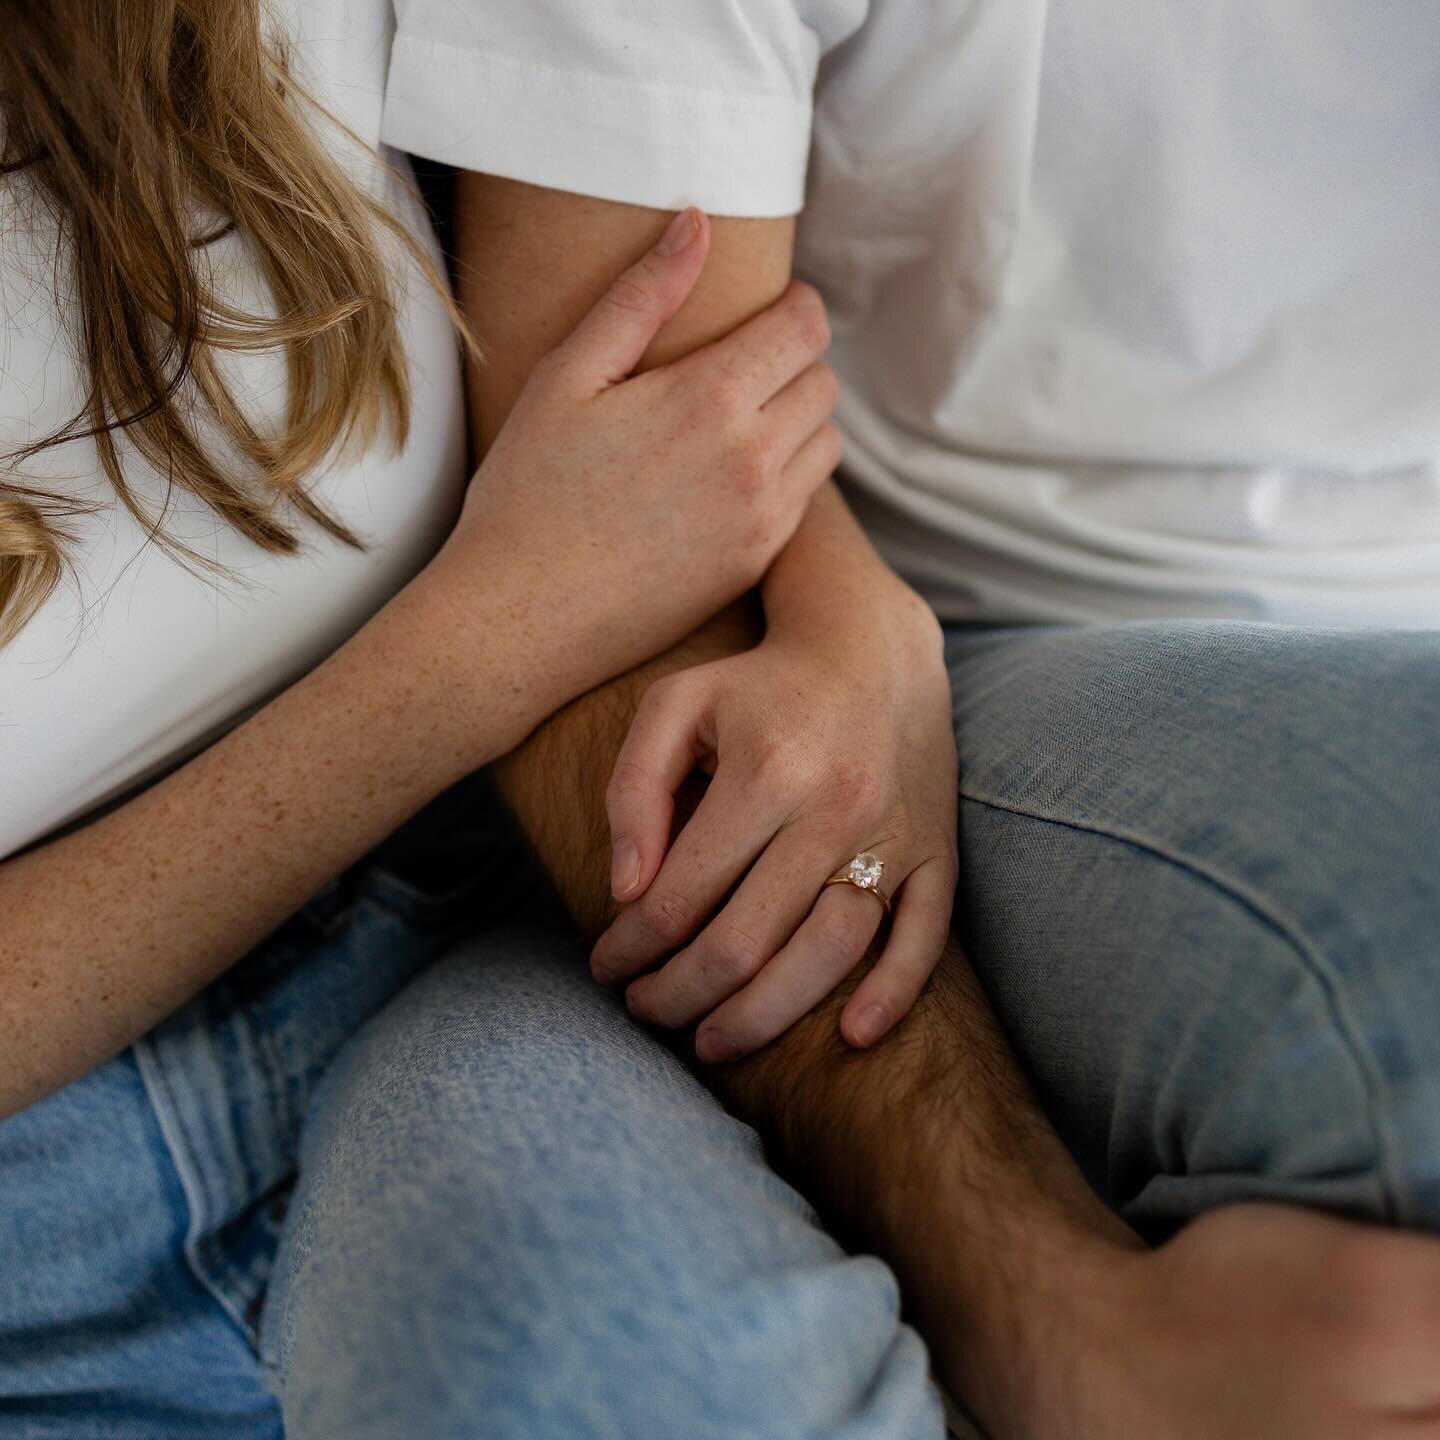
[(105, 931), (831, 571)]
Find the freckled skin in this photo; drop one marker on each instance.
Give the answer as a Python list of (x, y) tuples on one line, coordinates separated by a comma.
[(106, 930)]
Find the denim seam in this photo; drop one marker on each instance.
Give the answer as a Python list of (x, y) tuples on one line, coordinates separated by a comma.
[(284, 1068), (1293, 934), (170, 1117)]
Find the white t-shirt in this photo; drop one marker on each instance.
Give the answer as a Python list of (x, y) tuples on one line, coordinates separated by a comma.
[(1137, 305), (134, 662)]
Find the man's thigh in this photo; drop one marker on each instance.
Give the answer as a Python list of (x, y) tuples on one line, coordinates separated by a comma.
[(519, 1215), (1200, 882)]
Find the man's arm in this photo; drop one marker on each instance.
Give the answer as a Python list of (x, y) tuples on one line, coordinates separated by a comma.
[(532, 262), (1041, 1309), (979, 1161)]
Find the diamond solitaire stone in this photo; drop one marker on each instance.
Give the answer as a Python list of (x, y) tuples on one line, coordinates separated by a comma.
[(866, 870)]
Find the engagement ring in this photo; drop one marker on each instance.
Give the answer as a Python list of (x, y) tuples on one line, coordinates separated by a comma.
[(864, 873)]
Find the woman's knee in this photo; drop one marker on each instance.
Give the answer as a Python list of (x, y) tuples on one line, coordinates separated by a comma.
[(519, 1206)]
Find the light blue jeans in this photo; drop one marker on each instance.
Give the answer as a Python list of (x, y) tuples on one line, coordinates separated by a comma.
[(1201, 882)]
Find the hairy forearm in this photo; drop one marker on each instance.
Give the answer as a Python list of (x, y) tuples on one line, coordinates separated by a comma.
[(994, 1233), (555, 782), (971, 1198), (975, 1140)]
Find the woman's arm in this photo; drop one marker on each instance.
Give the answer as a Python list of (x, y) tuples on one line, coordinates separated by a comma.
[(111, 928), (556, 577)]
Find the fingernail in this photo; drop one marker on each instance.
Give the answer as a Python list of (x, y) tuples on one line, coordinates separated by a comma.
[(715, 1048), (624, 868), (599, 967), (679, 234), (870, 1024)]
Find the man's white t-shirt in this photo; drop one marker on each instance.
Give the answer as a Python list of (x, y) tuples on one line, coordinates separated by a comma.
[(135, 662), (1137, 306)]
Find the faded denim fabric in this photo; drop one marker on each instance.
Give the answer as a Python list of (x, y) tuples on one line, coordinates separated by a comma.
[(519, 1215), (1201, 882)]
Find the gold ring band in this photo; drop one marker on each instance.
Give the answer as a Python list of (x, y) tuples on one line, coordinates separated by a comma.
[(863, 873), (874, 890)]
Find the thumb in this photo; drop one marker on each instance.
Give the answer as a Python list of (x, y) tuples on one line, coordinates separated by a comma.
[(607, 344)]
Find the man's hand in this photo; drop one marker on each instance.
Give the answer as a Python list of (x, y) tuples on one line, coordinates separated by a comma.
[(1260, 1321)]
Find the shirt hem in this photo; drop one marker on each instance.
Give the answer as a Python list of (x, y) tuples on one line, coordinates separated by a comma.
[(611, 139)]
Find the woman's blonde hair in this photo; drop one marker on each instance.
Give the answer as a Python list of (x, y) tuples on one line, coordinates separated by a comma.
[(133, 118)]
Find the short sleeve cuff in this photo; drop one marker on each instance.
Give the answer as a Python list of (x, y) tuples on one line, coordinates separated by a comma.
[(614, 139)]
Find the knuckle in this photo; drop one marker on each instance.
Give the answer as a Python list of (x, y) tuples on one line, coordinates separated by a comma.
[(726, 400), (765, 454), (669, 916), (928, 633), (811, 317), (631, 293), (750, 469), (734, 957), (627, 781), (759, 542), (762, 537), (772, 765)]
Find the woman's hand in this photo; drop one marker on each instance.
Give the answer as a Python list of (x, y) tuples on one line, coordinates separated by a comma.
[(823, 743), (624, 512)]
